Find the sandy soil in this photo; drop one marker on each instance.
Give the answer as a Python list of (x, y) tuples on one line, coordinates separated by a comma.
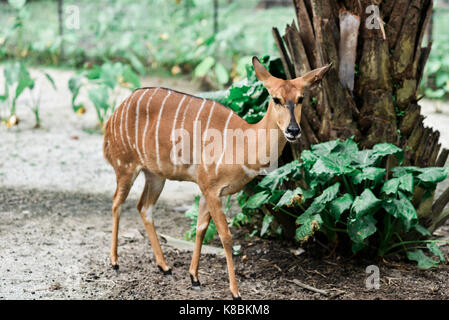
[(55, 222)]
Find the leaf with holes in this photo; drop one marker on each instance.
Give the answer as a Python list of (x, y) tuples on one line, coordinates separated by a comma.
[(361, 228)]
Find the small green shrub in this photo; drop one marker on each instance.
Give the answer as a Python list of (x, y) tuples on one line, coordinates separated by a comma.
[(104, 82), (17, 80), (349, 193)]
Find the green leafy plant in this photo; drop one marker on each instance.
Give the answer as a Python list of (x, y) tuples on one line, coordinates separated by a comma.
[(349, 193), (104, 83), (249, 98), (192, 214), (17, 80)]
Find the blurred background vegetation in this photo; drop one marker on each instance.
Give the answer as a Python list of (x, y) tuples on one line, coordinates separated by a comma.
[(166, 37), (207, 39)]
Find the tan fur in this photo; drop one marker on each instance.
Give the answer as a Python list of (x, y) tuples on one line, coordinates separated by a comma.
[(138, 138)]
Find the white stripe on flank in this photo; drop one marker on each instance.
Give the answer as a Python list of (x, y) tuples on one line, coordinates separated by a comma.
[(137, 126), (126, 124), (224, 143), (195, 129), (147, 110), (114, 118), (182, 123), (121, 122), (205, 133), (157, 130), (172, 136)]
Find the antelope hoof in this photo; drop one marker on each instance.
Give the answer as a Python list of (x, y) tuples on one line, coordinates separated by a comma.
[(196, 285), (236, 298), (166, 273), (115, 266)]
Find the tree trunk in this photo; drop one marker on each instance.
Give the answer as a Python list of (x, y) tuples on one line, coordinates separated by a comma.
[(61, 26), (372, 91)]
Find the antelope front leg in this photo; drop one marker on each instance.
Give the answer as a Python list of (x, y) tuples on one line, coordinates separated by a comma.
[(201, 228), (214, 204)]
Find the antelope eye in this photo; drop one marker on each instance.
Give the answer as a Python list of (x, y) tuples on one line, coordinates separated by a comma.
[(300, 100), (277, 101)]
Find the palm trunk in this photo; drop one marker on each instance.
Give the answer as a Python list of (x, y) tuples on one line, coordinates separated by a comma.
[(372, 91)]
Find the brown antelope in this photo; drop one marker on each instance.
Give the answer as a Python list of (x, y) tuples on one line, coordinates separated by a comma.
[(140, 136)]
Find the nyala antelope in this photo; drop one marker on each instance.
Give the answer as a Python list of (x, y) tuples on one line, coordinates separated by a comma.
[(139, 137)]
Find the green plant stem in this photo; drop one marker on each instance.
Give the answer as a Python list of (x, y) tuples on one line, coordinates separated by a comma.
[(403, 243), (335, 229), (284, 211), (348, 185)]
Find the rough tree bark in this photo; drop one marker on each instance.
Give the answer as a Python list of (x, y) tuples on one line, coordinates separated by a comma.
[(372, 91)]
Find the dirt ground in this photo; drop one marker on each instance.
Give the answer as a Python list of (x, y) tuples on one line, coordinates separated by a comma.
[(55, 228), (55, 245)]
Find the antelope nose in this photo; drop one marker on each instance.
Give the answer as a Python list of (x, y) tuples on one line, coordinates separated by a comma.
[(293, 131)]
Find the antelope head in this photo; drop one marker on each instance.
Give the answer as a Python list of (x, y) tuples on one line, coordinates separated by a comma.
[(287, 97)]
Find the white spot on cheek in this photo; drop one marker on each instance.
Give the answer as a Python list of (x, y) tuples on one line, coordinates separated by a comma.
[(149, 214), (118, 163)]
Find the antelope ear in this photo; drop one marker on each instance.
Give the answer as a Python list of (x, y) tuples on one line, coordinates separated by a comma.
[(261, 73), (312, 78)]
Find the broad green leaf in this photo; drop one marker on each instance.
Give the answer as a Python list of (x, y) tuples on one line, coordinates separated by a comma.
[(25, 81), (17, 4), (435, 249), (258, 200), (99, 97), (288, 197), (130, 76), (433, 175), (309, 227), (276, 177), (364, 204), (75, 84), (136, 63), (11, 72), (370, 173), (323, 149), (331, 165), (267, 220), (340, 205), (391, 186), (308, 157), (221, 73), (422, 230), (386, 149), (424, 262), (110, 74), (434, 94), (402, 209), (276, 195), (203, 68), (404, 183), (400, 171), (364, 158), (319, 203), (361, 228), (347, 147), (193, 211)]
